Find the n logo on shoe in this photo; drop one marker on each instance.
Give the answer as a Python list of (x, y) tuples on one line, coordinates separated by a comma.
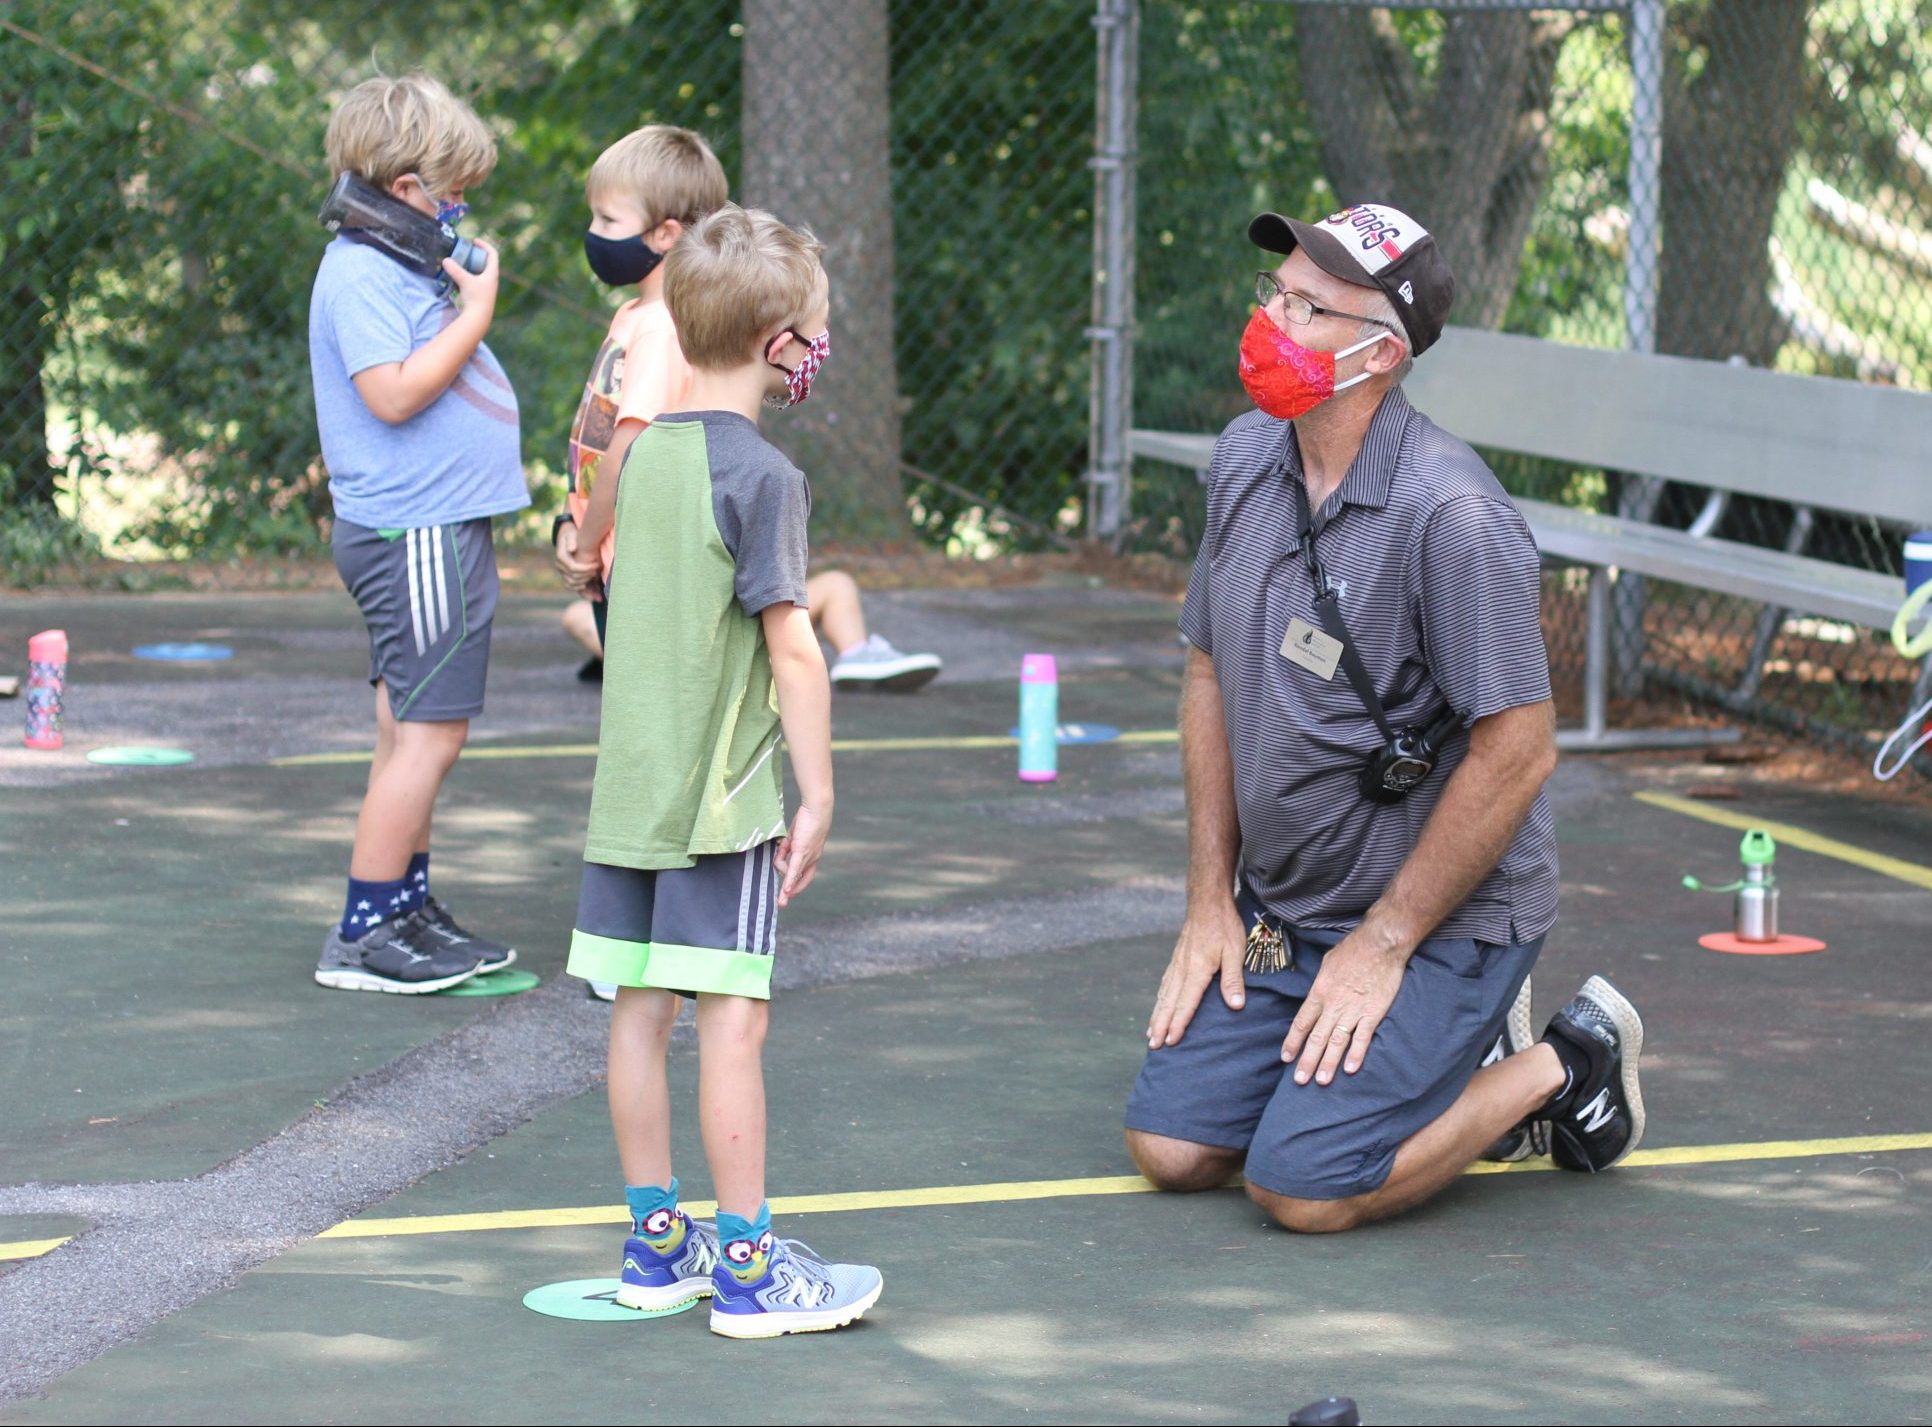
[(1597, 1113)]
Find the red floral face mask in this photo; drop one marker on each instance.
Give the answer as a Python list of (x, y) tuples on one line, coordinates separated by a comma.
[(1286, 379), (798, 379)]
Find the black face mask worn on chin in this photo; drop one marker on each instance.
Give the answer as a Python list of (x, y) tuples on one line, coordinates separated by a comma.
[(620, 262)]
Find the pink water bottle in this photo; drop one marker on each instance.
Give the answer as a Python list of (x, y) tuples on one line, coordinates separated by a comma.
[(46, 683)]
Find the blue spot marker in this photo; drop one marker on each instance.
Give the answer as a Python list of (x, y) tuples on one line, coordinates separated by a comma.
[(1068, 733), (184, 653)]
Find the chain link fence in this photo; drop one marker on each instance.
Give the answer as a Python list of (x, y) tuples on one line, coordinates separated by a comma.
[(161, 166), (1792, 204)]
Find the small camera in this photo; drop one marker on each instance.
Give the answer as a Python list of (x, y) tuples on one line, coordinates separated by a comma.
[(1399, 767)]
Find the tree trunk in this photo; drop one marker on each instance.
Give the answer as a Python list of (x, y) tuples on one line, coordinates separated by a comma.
[(26, 477), (818, 152), (1729, 132), (1464, 152)]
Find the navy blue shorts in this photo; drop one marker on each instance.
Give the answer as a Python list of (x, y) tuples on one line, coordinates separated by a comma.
[(1226, 1084)]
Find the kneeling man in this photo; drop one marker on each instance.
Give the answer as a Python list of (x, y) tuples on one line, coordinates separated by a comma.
[(1366, 729)]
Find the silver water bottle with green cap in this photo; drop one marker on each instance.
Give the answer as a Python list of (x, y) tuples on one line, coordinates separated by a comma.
[(1755, 908)]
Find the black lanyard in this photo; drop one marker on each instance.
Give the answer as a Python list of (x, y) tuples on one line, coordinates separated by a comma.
[(1328, 609)]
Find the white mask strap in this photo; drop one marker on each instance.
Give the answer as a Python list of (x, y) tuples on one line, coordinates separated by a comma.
[(1351, 351)]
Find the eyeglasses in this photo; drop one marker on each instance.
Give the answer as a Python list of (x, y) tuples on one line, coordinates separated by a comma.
[(1298, 309)]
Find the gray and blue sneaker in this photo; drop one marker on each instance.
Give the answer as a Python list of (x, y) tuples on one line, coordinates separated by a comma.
[(398, 956), (1529, 1136), (667, 1266), (875, 664), (443, 930), (778, 1286)]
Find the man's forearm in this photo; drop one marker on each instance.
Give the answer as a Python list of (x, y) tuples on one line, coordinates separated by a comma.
[(1510, 757), (1207, 769)]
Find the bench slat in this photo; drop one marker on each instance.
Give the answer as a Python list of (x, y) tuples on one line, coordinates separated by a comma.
[(1817, 587), (1751, 572), (1820, 441)]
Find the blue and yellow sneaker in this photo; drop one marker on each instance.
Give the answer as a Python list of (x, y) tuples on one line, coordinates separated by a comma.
[(667, 1268), (769, 1287)]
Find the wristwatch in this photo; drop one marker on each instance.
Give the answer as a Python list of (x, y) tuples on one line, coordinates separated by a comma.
[(558, 524)]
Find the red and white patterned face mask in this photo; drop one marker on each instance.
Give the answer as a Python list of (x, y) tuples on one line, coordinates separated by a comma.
[(1286, 379), (798, 379)]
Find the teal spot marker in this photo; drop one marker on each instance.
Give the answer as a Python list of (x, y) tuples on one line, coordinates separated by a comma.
[(588, 1300), (141, 757), (501, 983), (184, 653)]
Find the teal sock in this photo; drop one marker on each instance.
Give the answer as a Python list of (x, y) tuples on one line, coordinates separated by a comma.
[(734, 1228), (645, 1200)]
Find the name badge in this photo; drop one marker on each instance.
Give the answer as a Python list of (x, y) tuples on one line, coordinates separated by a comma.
[(1312, 649)]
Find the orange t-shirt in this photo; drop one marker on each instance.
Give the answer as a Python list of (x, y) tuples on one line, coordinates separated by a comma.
[(640, 372)]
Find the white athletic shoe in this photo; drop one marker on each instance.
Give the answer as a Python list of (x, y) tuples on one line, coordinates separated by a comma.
[(778, 1286), (875, 664)]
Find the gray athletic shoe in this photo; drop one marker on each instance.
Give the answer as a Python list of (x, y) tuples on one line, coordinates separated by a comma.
[(601, 990), (398, 956), (443, 929), (875, 664), (1531, 1136)]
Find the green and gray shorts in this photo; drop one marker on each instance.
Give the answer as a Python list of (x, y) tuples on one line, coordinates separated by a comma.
[(707, 929)]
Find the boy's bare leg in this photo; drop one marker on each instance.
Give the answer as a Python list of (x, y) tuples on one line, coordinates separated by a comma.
[(581, 625), (833, 600), (1496, 1098), (407, 772), (731, 1098), (640, 1092)]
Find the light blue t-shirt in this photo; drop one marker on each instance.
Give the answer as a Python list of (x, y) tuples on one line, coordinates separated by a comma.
[(458, 458)]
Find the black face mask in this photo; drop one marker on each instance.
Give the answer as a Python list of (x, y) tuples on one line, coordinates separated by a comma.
[(620, 262)]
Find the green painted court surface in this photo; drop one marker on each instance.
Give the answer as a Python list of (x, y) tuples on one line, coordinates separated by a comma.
[(967, 985)]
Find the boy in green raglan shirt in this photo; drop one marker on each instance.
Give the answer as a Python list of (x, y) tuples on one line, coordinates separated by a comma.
[(710, 660)]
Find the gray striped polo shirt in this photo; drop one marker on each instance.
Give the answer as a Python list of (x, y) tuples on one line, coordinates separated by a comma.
[(1438, 580)]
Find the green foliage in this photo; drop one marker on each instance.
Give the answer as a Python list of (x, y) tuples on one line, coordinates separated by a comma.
[(37, 546), (159, 240)]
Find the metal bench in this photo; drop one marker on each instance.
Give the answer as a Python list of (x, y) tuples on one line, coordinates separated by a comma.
[(1815, 442)]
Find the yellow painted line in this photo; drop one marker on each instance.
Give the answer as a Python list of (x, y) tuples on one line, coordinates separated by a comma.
[(941, 1195), (29, 1248), (1020, 1191), (1678, 1155), (1792, 835), (839, 745)]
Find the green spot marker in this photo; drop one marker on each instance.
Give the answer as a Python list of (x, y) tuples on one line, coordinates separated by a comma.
[(501, 983), (141, 757), (587, 1300)]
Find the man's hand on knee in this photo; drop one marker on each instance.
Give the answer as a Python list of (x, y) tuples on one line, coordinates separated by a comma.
[(1353, 991), (1211, 944)]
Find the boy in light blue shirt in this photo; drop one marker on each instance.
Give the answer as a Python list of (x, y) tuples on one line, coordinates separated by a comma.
[(420, 436)]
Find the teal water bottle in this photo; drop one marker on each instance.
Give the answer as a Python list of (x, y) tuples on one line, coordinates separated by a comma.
[(1039, 719)]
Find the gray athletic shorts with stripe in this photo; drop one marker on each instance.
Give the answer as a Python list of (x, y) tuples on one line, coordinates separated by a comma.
[(711, 928), (428, 595)]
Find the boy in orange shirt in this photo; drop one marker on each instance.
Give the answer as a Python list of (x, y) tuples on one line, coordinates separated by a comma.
[(644, 191)]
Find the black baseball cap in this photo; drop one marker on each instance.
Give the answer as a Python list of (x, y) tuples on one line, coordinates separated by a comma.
[(1373, 245)]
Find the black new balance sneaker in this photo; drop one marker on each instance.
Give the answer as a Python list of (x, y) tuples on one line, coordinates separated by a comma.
[(1531, 1136), (443, 930), (1598, 1116)]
